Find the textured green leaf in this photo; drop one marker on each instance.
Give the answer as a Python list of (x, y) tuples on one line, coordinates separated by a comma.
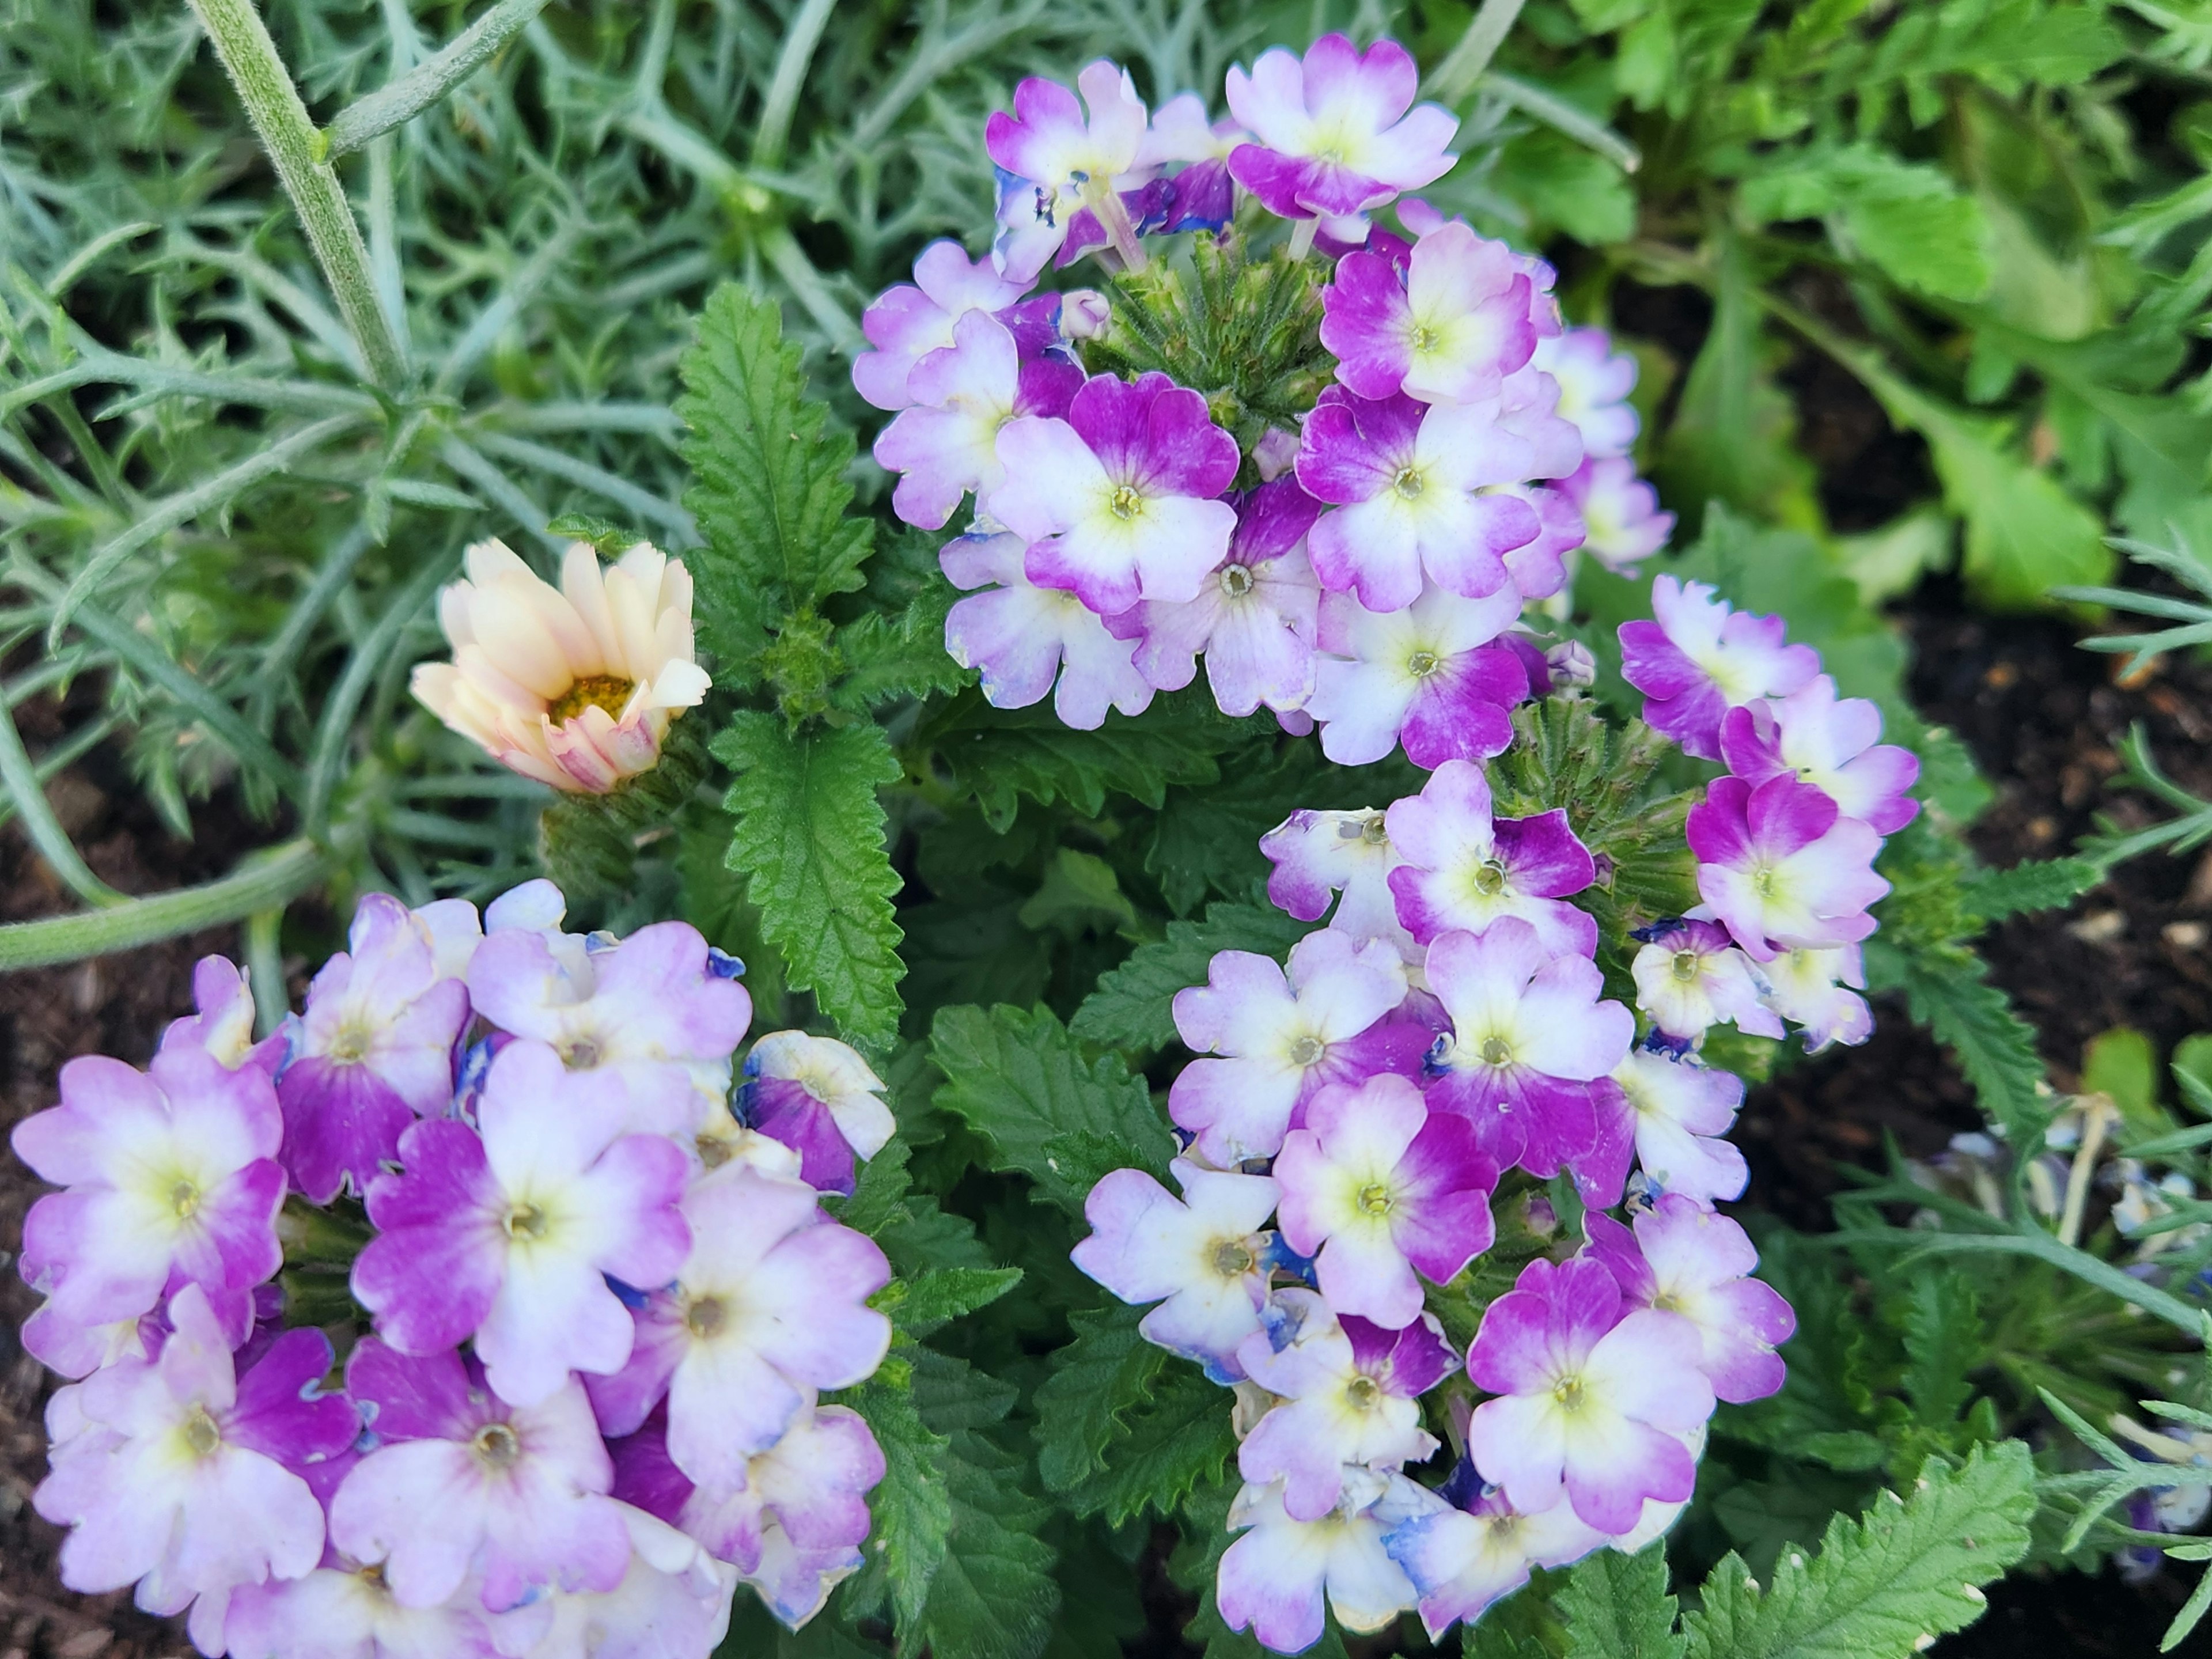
[(2034, 884), (890, 657), (1617, 1607), (809, 841), (910, 1512), (1178, 1439), (1950, 994), (1884, 1586), (1019, 1080), (1132, 1008), (1093, 1383), (1907, 217), (770, 490), (1942, 1345), (932, 1300)]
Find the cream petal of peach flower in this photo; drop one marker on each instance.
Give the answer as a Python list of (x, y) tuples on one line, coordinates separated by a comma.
[(573, 686)]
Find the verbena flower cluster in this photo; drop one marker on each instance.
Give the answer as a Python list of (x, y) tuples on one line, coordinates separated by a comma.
[(1364, 571), (594, 1303), (1398, 1150)]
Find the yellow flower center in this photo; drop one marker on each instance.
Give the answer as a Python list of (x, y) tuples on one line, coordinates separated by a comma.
[(1306, 1050), (1569, 1394), (1374, 1198), (1363, 1392), (1125, 503), (1490, 877), (712, 1153), (1236, 580), (1762, 881), (524, 1221), (579, 1053), (1233, 1258), (185, 1199), (1496, 1051), (1409, 481), (1424, 337), (351, 1043), (607, 691), (1375, 831), (1685, 965), (496, 1446), (1421, 664), (706, 1317), (202, 1432)]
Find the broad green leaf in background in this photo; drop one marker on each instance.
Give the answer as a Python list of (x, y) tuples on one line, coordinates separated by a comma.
[(809, 839), (1907, 217)]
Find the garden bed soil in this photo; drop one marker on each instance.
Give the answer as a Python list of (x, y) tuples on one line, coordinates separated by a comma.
[(2043, 717)]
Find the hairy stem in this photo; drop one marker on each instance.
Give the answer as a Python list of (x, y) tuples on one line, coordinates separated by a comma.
[(298, 150), (402, 97), (271, 880)]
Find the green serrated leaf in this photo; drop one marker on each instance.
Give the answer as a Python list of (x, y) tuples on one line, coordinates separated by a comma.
[(770, 489), (1093, 1383), (1884, 1586), (1942, 1345), (1178, 1439), (936, 1299), (809, 840), (1132, 1008), (1617, 1607), (910, 1512), (1949, 993), (1019, 1080), (2034, 884), (890, 657)]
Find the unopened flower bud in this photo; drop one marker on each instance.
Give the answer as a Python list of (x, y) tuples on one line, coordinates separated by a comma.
[(1275, 452), (1570, 664), (1084, 313)]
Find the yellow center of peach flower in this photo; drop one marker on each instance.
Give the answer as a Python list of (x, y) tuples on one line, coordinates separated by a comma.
[(1490, 877), (1569, 1394), (526, 1221), (607, 691)]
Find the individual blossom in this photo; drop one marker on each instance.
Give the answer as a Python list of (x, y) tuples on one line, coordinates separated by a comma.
[(1590, 1402), (673, 1602), (1349, 1395), (1622, 524), (1464, 868), (1683, 1107), (373, 1052), (464, 1485), (221, 1021), (1464, 1555), (1375, 1186), (1594, 381), (1694, 1265), (1699, 657), (658, 1001), (770, 1307), (1280, 1039), (1021, 638), (1117, 501), (1203, 1257), (1690, 977), (573, 686), (1530, 1033), (945, 443), (170, 1180), (508, 1238), (1819, 989), (1782, 868), (1205, 194), (1316, 855), (909, 322), (819, 1097), (1828, 742), (1057, 158), (1336, 134), (1432, 677), (1253, 618), (1407, 482), (1449, 332), (1538, 567), (1275, 1579), (347, 1611), (183, 1480)]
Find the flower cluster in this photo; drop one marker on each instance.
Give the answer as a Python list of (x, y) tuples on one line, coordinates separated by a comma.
[(594, 1303), (1785, 842), (1366, 571)]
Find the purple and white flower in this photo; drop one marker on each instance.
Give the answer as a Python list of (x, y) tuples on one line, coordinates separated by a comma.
[(1281, 1039), (1432, 677), (1589, 1401), (1449, 331), (171, 1180), (1594, 381), (1349, 1395), (1782, 868), (1819, 989), (1336, 134), (1275, 1579), (222, 1020), (1530, 1033), (945, 443), (1408, 481), (1376, 1187), (1690, 977), (1683, 1107), (346, 1611), (1117, 501), (906, 324), (508, 1238), (1205, 194), (1056, 160), (1695, 1265), (1020, 637), (1465, 869), (1254, 619), (373, 1053), (1316, 856), (183, 1478), (819, 1097), (1699, 657), (464, 1485), (1203, 1257), (1622, 524), (1828, 742), (1461, 1558), (770, 1307)]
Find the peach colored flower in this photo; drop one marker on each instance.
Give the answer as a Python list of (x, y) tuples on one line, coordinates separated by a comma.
[(575, 685)]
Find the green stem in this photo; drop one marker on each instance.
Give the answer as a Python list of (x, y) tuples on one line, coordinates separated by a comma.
[(273, 879), (299, 153), (2035, 1243), (1565, 118), (1463, 65), (399, 100), (22, 783), (791, 66)]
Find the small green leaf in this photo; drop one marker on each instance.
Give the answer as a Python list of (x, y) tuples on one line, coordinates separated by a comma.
[(1617, 1607), (1131, 1008), (2034, 884), (936, 1299)]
